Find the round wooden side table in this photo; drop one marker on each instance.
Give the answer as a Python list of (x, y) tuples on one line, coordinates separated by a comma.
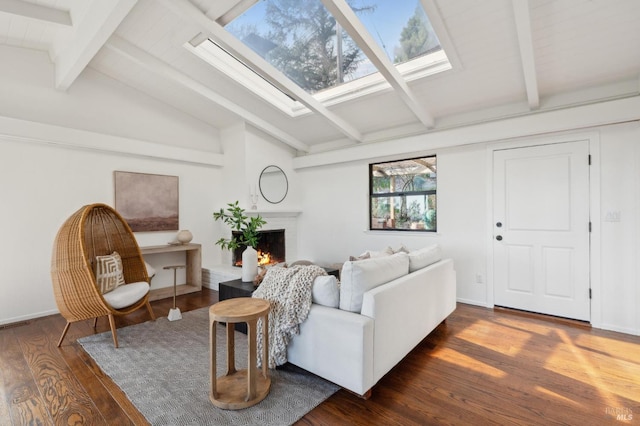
[(239, 389)]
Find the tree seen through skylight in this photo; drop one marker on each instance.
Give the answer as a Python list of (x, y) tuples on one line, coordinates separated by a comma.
[(304, 41)]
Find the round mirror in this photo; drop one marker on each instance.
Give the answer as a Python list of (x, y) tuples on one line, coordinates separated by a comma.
[(273, 184)]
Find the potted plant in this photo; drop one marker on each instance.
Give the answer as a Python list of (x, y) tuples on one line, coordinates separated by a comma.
[(248, 227)]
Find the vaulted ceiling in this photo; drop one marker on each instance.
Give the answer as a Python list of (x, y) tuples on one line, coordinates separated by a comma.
[(508, 58)]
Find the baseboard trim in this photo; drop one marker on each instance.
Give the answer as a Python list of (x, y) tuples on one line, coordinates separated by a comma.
[(544, 317)]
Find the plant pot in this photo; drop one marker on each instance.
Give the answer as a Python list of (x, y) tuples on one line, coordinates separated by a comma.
[(249, 264)]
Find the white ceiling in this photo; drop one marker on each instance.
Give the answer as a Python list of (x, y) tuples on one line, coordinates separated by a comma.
[(509, 57)]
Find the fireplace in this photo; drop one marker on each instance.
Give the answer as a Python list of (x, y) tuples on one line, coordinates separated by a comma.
[(271, 248)]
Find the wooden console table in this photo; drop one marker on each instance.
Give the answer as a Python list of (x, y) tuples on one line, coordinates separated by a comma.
[(193, 254)]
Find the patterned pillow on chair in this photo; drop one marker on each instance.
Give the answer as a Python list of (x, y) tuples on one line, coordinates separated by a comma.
[(109, 272)]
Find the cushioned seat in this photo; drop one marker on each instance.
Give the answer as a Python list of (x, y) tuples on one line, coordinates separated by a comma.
[(126, 295)]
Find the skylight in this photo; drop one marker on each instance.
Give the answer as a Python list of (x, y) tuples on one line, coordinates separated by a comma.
[(297, 56), (301, 38)]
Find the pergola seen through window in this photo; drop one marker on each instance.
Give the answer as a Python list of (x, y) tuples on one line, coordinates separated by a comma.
[(403, 195)]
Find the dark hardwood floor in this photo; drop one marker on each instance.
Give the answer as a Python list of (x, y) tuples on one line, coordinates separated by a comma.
[(480, 367)]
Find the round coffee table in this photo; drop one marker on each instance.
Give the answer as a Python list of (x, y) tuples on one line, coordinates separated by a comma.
[(239, 389)]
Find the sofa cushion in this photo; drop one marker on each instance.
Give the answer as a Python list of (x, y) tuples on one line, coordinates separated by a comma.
[(373, 253), (402, 248), (325, 291), (381, 253), (126, 295), (363, 256), (361, 276), (424, 257)]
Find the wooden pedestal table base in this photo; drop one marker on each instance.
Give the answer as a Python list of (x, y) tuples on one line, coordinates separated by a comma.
[(240, 388)]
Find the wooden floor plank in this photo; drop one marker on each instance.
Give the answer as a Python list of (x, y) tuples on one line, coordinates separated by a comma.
[(64, 396), (24, 401), (503, 378), (480, 367), (115, 411), (4, 384)]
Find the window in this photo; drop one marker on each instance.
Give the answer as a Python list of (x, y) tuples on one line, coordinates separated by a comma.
[(305, 42), (403, 195)]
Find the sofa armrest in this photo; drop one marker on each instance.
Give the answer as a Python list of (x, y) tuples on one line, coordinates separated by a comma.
[(407, 309), (336, 345)]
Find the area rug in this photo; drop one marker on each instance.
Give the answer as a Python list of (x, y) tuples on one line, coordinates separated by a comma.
[(163, 368)]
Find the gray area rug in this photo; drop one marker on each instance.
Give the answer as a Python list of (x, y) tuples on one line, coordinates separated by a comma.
[(163, 368)]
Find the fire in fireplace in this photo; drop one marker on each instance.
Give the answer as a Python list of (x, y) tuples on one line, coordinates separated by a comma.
[(271, 248)]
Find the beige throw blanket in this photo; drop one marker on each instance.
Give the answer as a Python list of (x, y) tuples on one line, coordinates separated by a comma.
[(289, 291)]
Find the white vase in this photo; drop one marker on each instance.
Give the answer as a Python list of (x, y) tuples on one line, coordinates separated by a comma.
[(249, 264)]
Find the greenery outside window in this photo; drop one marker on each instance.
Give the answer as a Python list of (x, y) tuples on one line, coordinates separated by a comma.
[(403, 195)]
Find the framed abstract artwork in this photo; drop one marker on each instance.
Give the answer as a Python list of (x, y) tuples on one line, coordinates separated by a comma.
[(147, 202)]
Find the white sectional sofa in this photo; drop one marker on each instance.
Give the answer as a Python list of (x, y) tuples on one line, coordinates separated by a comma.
[(387, 306)]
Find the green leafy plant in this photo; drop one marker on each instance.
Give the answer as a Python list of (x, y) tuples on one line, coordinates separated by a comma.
[(234, 216)]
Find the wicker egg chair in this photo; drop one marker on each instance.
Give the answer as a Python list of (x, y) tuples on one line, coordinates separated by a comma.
[(94, 230)]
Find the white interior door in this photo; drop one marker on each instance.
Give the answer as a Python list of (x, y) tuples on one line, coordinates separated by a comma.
[(541, 229)]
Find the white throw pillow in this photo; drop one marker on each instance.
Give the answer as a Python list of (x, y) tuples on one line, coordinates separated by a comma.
[(386, 252), (402, 248), (424, 257), (359, 277), (108, 272), (325, 291), (372, 253), (363, 256)]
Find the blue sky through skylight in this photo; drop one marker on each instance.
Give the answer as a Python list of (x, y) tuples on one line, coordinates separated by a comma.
[(282, 46), (388, 19)]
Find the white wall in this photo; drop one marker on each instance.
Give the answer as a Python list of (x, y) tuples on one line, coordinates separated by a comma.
[(262, 151), (462, 218), (58, 152), (247, 151), (334, 222), (618, 301), (335, 205), (43, 185)]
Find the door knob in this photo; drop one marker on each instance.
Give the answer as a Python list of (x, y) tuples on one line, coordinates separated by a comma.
[(499, 224), (499, 237)]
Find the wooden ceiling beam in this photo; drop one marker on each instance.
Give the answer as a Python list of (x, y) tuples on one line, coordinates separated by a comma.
[(192, 14), (525, 42), (156, 66), (98, 24), (341, 10), (36, 11), (433, 13), (232, 13)]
